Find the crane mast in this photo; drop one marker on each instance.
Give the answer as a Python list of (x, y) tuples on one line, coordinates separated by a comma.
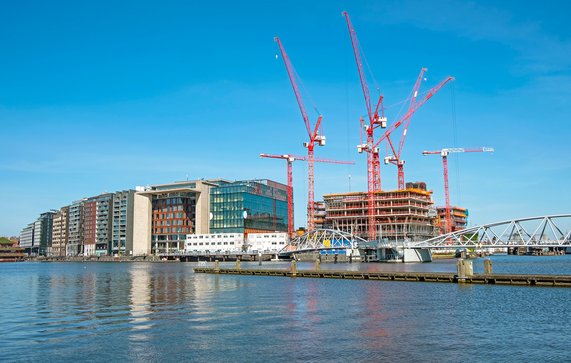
[(399, 161), (373, 163), (444, 154), (313, 137), (289, 161)]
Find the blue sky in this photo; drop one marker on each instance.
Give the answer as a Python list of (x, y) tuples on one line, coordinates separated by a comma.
[(101, 96)]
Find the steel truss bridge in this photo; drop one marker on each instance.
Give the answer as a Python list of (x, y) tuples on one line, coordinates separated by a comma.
[(323, 239), (533, 232)]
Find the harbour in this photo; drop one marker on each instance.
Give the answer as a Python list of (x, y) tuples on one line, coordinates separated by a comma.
[(170, 311)]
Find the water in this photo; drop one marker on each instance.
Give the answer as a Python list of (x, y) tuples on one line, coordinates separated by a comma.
[(146, 312)]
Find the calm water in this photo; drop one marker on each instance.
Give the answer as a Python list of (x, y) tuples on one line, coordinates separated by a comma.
[(164, 312)]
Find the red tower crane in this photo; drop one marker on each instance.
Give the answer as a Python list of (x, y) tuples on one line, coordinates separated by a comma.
[(405, 120), (313, 134), (376, 120), (444, 153), (396, 158), (289, 161)]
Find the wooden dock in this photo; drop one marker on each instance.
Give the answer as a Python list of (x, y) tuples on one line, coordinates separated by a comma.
[(491, 279)]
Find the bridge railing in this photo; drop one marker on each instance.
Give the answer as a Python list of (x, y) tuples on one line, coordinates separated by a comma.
[(543, 231)]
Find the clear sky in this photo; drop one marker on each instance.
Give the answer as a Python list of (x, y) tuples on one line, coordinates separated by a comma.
[(105, 95)]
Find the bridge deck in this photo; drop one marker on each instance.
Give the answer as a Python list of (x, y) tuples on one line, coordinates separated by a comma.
[(499, 279)]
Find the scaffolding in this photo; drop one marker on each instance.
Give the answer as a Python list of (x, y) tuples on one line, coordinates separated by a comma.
[(400, 215)]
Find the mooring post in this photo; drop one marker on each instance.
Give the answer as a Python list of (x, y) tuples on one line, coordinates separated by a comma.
[(461, 272), (317, 264), (468, 268), (487, 266), (216, 266), (237, 263), (293, 268), (259, 258)]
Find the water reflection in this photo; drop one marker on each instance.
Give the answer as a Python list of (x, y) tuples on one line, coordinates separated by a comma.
[(151, 312)]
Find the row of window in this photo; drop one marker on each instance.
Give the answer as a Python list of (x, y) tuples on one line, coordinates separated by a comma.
[(172, 230), (171, 208), (178, 222), (170, 215), (213, 243)]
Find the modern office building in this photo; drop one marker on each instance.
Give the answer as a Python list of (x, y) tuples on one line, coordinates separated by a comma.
[(178, 209), (122, 226), (236, 242), (60, 232), (89, 225), (103, 224), (249, 206), (36, 237), (131, 227), (43, 233), (75, 229), (97, 224), (27, 239)]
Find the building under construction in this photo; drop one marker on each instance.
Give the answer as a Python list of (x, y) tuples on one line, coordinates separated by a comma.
[(458, 219), (400, 215)]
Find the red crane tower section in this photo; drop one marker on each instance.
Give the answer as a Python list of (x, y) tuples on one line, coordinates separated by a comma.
[(313, 134), (289, 161), (376, 120), (444, 153), (373, 164)]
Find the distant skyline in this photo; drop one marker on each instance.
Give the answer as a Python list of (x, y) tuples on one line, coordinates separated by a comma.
[(104, 96)]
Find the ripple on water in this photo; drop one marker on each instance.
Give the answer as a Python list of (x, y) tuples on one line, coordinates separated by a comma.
[(151, 312)]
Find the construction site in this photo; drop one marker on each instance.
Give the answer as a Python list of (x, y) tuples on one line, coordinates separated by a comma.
[(405, 214)]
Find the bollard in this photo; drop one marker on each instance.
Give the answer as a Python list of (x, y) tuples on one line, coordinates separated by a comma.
[(317, 264), (293, 268), (468, 268), (259, 259), (216, 266), (237, 264), (487, 266), (460, 269)]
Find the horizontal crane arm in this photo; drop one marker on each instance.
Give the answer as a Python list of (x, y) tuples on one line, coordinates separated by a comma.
[(412, 110)]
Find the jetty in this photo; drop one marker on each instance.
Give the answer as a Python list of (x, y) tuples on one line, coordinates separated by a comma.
[(463, 276)]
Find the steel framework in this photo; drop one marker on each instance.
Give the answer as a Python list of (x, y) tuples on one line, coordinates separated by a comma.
[(323, 239), (543, 231)]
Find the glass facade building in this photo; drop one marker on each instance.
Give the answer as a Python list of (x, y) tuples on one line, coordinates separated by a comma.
[(248, 206)]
